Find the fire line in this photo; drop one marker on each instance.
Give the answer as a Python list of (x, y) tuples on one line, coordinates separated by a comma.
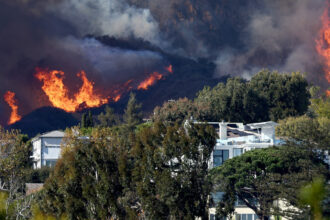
[(323, 44), (12, 102)]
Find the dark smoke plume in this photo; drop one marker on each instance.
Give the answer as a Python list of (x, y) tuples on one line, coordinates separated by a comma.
[(241, 37), (50, 34)]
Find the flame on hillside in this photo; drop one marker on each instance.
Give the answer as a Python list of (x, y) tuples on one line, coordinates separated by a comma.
[(169, 69), (152, 79), (58, 93), (323, 44), (86, 97), (12, 102)]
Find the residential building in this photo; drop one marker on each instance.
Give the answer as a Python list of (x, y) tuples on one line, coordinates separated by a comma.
[(233, 140), (237, 138), (47, 149)]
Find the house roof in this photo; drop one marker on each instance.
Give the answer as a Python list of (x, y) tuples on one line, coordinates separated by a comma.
[(262, 124), (51, 134)]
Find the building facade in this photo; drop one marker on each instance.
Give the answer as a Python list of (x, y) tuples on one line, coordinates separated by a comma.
[(47, 149), (233, 140), (237, 138)]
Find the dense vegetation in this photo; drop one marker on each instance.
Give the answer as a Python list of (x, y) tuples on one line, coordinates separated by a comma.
[(117, 167), (267, 96)]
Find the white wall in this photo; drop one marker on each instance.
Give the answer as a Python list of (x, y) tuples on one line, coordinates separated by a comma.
[(51, 149), (46, 148)]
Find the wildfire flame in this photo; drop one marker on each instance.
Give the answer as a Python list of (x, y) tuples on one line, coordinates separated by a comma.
[(323, 44), (152, 79), (58, 93), (169, 69), (12, 102)]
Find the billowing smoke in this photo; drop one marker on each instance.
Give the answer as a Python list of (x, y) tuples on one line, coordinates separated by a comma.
[(280, 36), (51, 34), (240, 37)]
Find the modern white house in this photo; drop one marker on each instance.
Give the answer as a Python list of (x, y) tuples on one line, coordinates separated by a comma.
[(233, 140), (47, 149), (237, 138)]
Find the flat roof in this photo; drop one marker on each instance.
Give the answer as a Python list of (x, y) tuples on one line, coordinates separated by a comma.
[(262, 124)]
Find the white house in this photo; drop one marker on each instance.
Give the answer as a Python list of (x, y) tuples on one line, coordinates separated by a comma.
[(233, 140), (237, 138), (46, 149)]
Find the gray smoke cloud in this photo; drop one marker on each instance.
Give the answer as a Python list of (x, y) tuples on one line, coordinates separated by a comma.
[(242, 37), (50, 34), (280, 37)]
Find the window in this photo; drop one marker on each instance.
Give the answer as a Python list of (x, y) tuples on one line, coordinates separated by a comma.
[(238, 151), (213, 217), (219, 157), (50, 163), (246, 217), (239, 202), (216, 198)]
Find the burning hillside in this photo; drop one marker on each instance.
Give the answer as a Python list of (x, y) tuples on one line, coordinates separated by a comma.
[(128, 45), (58, 93), (86, 97), (9, 97), (323, 44)]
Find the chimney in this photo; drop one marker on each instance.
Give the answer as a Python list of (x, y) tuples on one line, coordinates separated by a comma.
[(222, 131)]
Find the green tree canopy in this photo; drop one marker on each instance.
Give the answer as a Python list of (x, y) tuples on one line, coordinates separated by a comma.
[(86, 183), (170, 170), (133, 114), (311, 132), (176, 111), (267, 96), (15, 150), (87, 120), (108, 118), (262, 176)]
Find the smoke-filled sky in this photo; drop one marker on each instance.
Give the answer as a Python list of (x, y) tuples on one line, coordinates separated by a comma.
[(240, 37)]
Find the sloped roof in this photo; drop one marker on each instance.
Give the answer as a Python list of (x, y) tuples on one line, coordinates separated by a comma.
[(51, 134)]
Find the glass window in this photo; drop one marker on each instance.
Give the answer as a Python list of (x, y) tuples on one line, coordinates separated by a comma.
[(239, 202), (244, 217), (237, 151), (50, 163), (213, 217), (220, 156), (249, 216)]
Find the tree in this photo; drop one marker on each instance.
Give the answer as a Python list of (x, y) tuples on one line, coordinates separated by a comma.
[(170, 170), (15, 150), (86, 183), (133, 114), (320, 103), (87, 120), (108, 118), (262, 176), (311, 132), (267, 96), (313, 195), (224, 101), (286, 94), (83, 122), (175, 111)]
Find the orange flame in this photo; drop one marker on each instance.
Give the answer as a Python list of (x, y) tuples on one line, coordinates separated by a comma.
[(169, 69), (12, 102), (323, 44), (58, 93), (150, 81)]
